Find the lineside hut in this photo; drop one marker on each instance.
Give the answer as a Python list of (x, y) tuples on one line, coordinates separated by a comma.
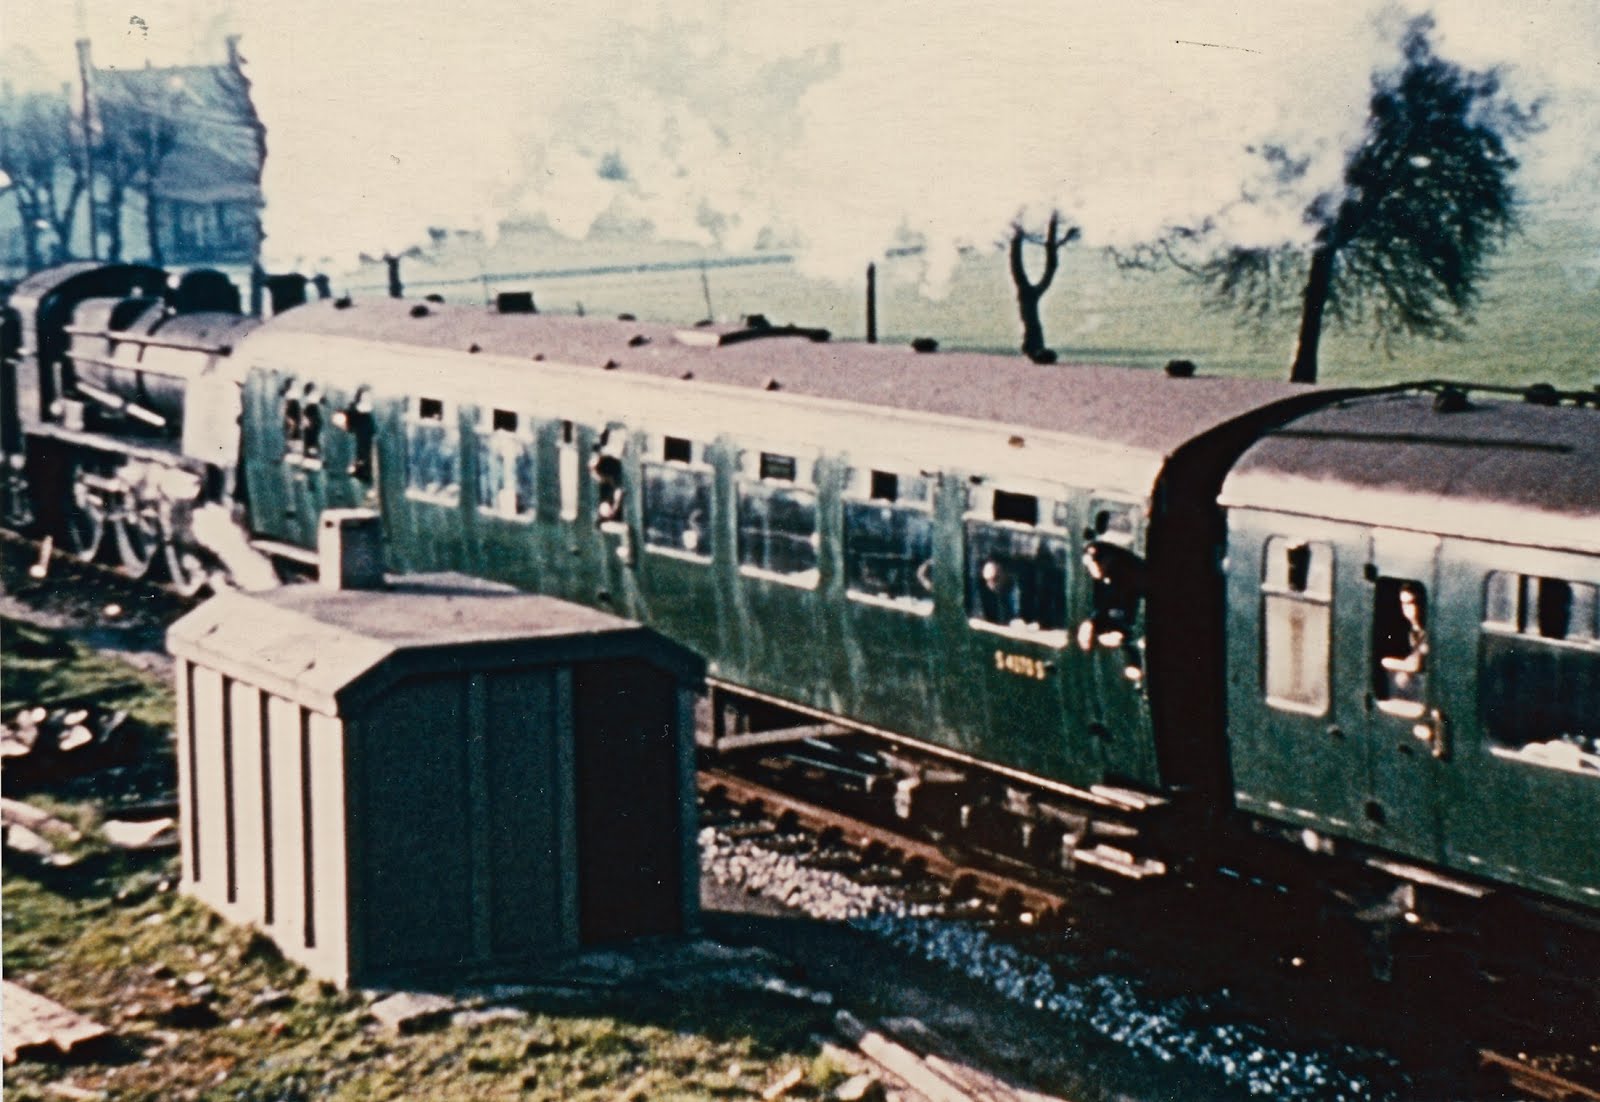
[(434, 780)]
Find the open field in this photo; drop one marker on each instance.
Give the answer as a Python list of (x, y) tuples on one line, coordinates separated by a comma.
[(1539, 320)]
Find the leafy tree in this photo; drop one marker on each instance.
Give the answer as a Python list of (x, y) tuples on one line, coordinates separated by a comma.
[(1425, 201), (1029, 292), (41, 156)]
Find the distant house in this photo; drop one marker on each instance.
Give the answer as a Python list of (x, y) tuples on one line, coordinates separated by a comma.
[(195, 131)]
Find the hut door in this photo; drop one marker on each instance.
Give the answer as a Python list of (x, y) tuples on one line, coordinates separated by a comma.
[(630, 875), (1405, 733)]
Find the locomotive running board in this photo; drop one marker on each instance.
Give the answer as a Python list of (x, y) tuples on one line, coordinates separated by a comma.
[(1417, 875), (778, 737), (1106, 796), (277, 549)]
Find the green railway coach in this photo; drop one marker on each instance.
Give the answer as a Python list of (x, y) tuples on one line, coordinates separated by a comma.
[(1415, 649), (895, 541)]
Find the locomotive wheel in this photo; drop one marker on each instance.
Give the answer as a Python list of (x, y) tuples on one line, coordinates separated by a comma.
[(139, 537), (185, 570), (85, 521)]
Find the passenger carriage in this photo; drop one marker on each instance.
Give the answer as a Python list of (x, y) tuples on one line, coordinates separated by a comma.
[(815, 518), (1487, 762)]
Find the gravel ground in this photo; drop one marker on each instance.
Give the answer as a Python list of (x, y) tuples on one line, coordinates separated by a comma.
[(1194, 1046)]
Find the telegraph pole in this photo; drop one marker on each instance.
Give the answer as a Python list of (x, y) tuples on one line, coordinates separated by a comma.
[(84, 68)]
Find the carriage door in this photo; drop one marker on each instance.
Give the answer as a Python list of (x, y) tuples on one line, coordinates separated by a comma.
[(1405, 733), (1112, 631)]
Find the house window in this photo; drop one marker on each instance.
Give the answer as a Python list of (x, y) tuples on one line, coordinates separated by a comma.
[(1017, 570), (778, 521), (433, 452), (1539, 673), (677, 500), (1297, 621), (505, 465), (888, 539)]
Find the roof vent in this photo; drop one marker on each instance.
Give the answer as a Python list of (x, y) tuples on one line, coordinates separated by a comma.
[(611, 365), (419, 311), (773, 384), (924, 344), (638, 340), (626, 317), (474, 348), (711, 337), (433, 298), (1451, 399), (1180, 369), (514, 302), (343, 302), (1542, 394)]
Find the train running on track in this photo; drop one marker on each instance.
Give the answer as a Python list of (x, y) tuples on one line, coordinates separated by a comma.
[(1103, 617)]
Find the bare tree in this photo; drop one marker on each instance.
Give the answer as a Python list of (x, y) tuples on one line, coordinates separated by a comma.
[(1029, 292), (132, 139), (42, 159), (1425, 201)]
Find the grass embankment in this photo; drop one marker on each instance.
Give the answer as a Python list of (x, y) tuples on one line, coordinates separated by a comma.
[(203, 1010)]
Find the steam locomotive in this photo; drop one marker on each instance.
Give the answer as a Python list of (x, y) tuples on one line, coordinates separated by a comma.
[(1076, 609)]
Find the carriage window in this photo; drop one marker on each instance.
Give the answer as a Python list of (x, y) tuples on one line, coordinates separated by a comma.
[(356, 419), (888, 540), (505, 466), (291, 417), (567, 466), (1550, 608), (1296, 592), (1539, 674), (605, 467), (311, 424), (1115, 524), (778, 522), (433, 440), (677, 501), (1017, 572), (1400, 645)]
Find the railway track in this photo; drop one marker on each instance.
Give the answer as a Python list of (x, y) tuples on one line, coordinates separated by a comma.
[(1531, 1080), (1013, 897)]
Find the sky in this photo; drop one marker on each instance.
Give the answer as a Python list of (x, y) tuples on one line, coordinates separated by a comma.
[(835, 129)]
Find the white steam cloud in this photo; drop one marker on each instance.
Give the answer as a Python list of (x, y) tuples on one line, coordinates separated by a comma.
[(835, 129)]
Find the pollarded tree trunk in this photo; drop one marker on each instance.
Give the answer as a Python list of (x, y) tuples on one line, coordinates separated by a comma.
[(1032, 328), (1319, 281), (1030, 293)]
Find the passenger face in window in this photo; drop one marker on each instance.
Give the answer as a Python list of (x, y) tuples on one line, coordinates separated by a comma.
[(608, 477), (1002, 601), (1406, 660)]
